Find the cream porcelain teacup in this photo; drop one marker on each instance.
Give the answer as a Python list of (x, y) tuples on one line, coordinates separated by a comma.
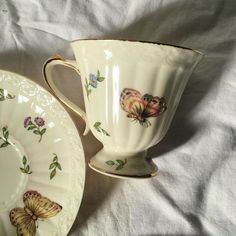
[(131, 91)]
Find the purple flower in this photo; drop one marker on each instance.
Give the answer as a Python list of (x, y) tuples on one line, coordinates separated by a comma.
[(93, 80), (39, 121), (27, 121)]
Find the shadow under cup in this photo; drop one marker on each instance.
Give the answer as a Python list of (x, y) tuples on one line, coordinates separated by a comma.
[(131, 92)]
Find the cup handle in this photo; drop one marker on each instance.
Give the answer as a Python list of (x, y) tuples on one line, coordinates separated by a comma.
[(47, 73)]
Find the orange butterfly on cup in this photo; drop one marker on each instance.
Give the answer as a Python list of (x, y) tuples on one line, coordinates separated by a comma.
[(141, 107), (36, 207)]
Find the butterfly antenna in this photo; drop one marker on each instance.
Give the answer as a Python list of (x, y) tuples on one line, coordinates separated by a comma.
[(146, 123), (142, 123)]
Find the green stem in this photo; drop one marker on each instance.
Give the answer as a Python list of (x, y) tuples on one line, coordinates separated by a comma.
[(40, 138), (87, 90), (38, 129)]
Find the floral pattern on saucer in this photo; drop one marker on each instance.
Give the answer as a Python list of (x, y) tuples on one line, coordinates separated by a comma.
[(33, 160), (35, 126), (26, 168), (54, 166), (4, 137)]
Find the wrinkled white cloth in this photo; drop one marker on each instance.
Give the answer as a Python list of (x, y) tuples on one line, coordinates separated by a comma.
[(195, 191)]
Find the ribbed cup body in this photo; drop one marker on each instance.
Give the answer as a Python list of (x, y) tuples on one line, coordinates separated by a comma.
[(139, 75)]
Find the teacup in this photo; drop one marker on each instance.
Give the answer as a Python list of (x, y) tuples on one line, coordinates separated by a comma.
[(131, 91)]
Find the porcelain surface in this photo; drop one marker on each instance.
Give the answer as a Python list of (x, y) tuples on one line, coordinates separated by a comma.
[(42, 167), (131, 92)]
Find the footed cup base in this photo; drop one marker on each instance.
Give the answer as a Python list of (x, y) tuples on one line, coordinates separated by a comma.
[(123, 165)]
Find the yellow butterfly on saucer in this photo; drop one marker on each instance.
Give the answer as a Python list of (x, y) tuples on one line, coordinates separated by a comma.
[(36, 206)]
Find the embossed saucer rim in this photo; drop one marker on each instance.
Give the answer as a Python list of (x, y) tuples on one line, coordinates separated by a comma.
[(15, 80)]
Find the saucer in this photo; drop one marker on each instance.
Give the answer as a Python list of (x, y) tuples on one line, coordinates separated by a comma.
[(42, 166)]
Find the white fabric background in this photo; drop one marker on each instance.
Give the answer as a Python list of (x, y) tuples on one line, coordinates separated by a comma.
[(195, 191)]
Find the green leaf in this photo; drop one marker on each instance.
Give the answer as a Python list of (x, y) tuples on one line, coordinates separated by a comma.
[(1, 91), (55, 158), (6, 135), (2, 99), (110, 163), (105, 132), (27, 168), (22, 170), (31, 127), (89, 91), (43, 131), (4, 145), (98, 74), (36, 132), (59, 166), (119, 167), (53, 165), (53, 173), (100, 79), (4, 129), (120, 162), (86, 82), (97, 124), (9, 96), (24, 160)]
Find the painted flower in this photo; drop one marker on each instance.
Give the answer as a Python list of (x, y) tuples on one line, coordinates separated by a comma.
[(93, 80), (39, 121), (27, 121), (35, 125)]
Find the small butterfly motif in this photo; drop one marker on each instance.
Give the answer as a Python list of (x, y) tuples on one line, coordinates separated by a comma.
[(36, 207), (141, 107)]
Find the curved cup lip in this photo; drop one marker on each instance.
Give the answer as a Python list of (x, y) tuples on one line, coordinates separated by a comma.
[(139, 41)]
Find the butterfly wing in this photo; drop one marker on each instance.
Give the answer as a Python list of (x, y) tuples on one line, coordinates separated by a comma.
[(131, 101), (154, 107), (30, 198), (41, 207), (23, 222)]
